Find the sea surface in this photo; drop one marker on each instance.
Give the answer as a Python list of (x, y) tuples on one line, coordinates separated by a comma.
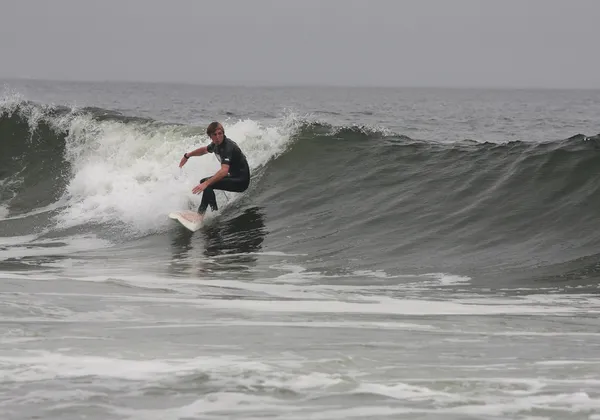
[(400, 254)]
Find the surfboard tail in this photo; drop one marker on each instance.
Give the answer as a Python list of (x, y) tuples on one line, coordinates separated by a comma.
[(191, 220)]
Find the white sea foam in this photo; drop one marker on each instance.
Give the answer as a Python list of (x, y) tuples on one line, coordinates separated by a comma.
[(3, 211), (129, 172), (24, 246), (229, 384), (43, 365), (385, 305)]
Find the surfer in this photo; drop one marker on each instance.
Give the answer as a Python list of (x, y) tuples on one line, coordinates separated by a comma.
[(234, 174)]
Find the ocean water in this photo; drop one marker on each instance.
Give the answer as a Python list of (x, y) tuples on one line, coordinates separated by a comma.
[(400, 254)]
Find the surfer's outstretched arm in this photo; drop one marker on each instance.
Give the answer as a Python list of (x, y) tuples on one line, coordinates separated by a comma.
[(198, 152)]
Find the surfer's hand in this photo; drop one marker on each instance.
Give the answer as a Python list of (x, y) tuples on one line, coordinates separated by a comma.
[(183, 161), (199, 188)]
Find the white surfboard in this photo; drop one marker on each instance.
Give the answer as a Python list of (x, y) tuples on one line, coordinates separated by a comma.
[(189, 219)]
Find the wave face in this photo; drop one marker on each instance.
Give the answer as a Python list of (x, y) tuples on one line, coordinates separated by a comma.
[(506, 205), (361, 191), (33, 169)]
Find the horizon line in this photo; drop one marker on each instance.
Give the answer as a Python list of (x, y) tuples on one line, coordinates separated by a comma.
[(256, 84)]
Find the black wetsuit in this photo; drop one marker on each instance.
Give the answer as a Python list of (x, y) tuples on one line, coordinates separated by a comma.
[(238, 178)]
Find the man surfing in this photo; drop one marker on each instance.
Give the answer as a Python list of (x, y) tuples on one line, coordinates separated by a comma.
[(234, 174)]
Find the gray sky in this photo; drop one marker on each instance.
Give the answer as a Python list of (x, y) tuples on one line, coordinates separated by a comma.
[(492, 43)]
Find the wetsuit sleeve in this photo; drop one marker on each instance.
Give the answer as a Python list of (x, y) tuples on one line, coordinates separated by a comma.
[(210, 148)]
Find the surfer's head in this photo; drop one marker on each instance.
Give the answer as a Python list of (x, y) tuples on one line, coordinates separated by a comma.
[(216, 132)]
